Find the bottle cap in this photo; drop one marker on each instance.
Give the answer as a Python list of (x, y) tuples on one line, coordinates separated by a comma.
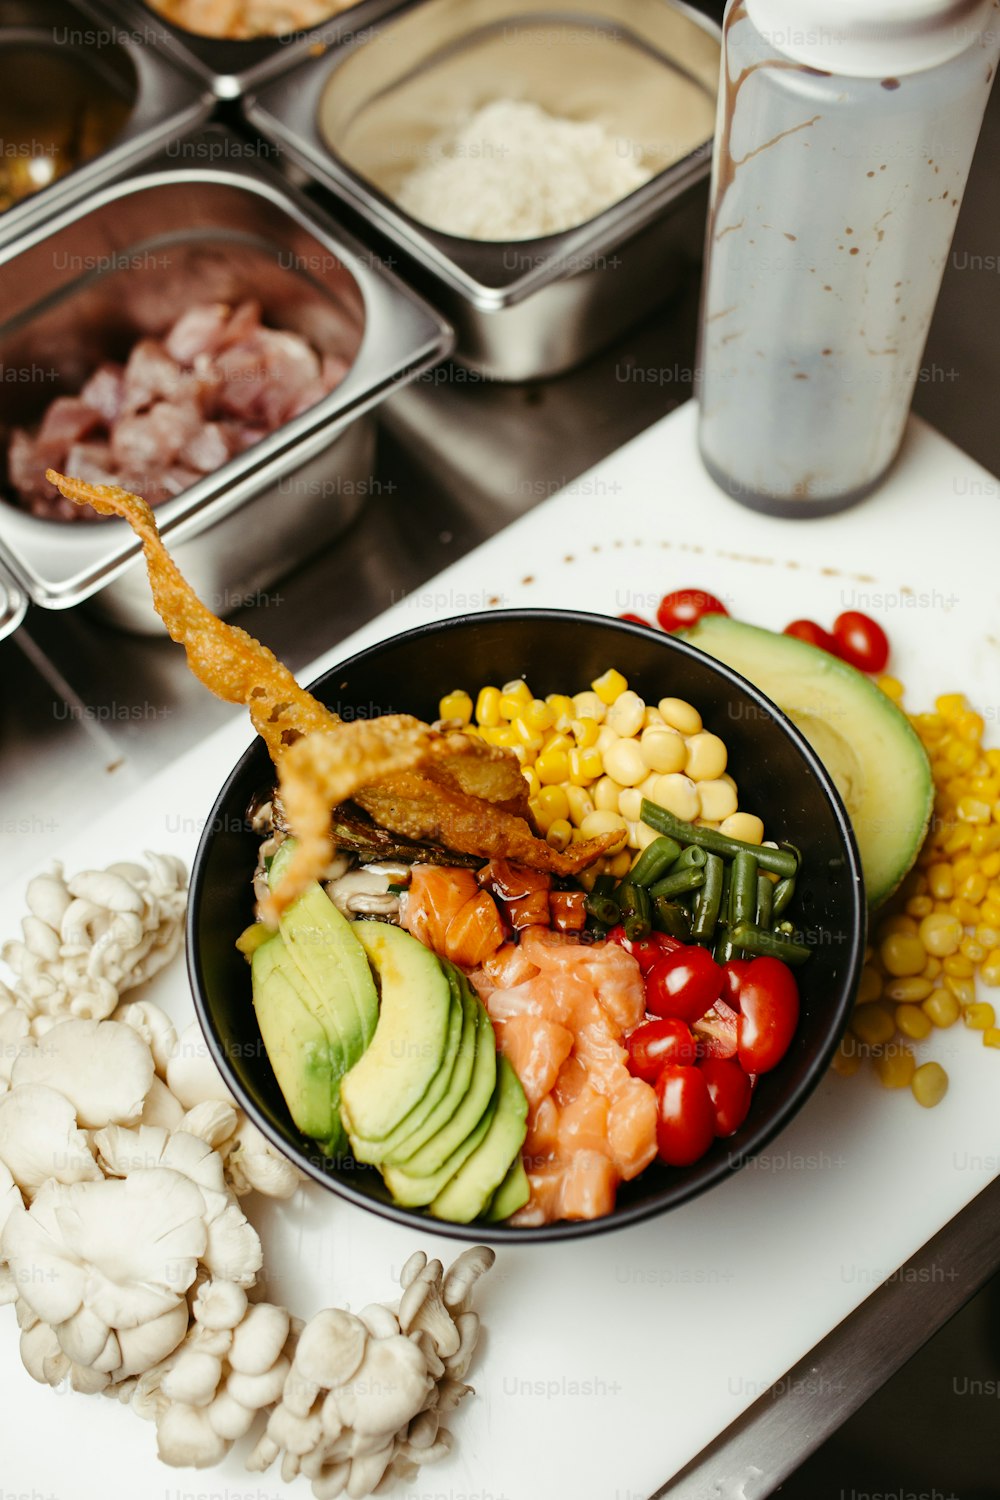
[(867, 38)]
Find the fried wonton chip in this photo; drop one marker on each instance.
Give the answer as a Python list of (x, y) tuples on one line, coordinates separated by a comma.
[(471, 797)]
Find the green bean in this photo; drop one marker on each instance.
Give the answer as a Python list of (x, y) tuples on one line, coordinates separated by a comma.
[(751, 939), (783, 893), (654, 861), (671, 918), (634, 905), (780, 861), (765, 896), (691, 856), (678, 881), (706, 911), (726, 899), (723, 951), (603, 909), (743, 901)]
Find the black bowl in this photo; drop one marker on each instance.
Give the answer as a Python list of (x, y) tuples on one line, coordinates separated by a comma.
[(780, 778)]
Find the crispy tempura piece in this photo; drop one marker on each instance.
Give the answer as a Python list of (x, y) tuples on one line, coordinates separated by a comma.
[(229, 662)]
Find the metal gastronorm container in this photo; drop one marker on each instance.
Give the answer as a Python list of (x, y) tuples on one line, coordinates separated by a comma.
[(82, 289), (356, 120), (162, 101), (229, 67)]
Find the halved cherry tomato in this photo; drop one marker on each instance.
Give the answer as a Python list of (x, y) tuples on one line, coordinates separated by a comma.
[(636, 620), (730, 1091), (734, 971), (657, 1042), (685, 1115), (685, 983), (685, 607), (861, 641), (769, 1014), (646, 951), (808, 630), (716, 1032)]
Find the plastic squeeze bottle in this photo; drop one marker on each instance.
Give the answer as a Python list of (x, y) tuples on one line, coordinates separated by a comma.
[(845, 133)]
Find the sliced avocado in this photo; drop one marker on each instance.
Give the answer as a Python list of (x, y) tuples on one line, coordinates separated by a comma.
[(432, 1156), (473, 1185), (450, 1097), (409, 1042), (322, 943), (251, 938), (305, 1063), (379, 1151), (416, 1192), (865, 742), (512, 1194)]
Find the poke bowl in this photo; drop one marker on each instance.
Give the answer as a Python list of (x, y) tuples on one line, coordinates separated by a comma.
[(557, 652)]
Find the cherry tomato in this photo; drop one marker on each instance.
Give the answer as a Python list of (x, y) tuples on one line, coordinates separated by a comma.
[(808, 630), (734, 971), (685, 1115), (730, 1091), (685, 983), (716, 1033), (646, 951), (860, 641), (636, 620), (681, 610), (769, 1014), (657, 1042)]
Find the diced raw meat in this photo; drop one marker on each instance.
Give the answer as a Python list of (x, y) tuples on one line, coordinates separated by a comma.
[(150, 375), (209, 449), (105, 390), (474, 932), (536, 1049), (93, 462), (583, 1124), (26, 466), (436, 894), (632, 1128), (587, 1188), (334, 367), (200, 330), (148, 442), (66, 421), (543, 1130)]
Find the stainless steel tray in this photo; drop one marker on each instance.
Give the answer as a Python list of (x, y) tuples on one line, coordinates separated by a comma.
[(535, 307), (81, 288), (164, 102), (12, 605), (230, 67)]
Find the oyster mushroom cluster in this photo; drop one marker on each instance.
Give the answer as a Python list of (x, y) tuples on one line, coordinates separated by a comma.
[(130, 1263)]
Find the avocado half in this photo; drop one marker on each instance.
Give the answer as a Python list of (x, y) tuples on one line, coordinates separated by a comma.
[(865, 742)]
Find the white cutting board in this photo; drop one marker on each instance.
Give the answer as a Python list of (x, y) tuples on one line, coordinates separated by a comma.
[(609, 1363)]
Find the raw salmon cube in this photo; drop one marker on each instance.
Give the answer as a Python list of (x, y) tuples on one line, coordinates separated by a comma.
[(583, 1124), (542, 1138), (588, 1186), (536, 1050), (632, 1128)]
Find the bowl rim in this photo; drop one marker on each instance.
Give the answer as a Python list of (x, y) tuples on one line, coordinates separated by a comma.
[(631, 1213)]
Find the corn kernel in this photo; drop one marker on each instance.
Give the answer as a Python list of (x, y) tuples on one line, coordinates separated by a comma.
[(488, 707), (913, 987), (941, 882), (963, 990), (959, 965), (531, 778), (965, 911), (640, 836), (552, 766), (932, 968), (717, 800), (990, 866), (624, 762), (606, 737), (605, 794), (980, 1016), (678, 794), (620, 864), (539, 714), (942, 1008), (517, 688), (456, 706), (892, 687), (895, 1067), (940, 934), (529, 738), (991, 1036), (663, 749), (581, 804), (651, 716), (929, 1084), (919, 906), (680, 715), (970, 726), (972, 810), (990, 911), (585, 732), (990, 971), (873, 1024), (913, 1022), (963, 867), (706, 757), (870, 986), (609, 686), (587, 706), (902, 954), (598, 823), (555, 801), (559, 834), (973, 951), (627, 713), (585, 766), (745, 826)]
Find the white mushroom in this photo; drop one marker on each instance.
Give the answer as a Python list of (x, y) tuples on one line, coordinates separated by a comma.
[(191, 1073), (212, 1121), (219, 1305), (40, 1140), (186, 1438), (463, 1275), (15, 1035), (154, 1026), (193, 1379), (388, 1389), (160, 1107), (104, 1068), (143, 1347), (259, 1339), (421, 1307), (253, 1165)]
